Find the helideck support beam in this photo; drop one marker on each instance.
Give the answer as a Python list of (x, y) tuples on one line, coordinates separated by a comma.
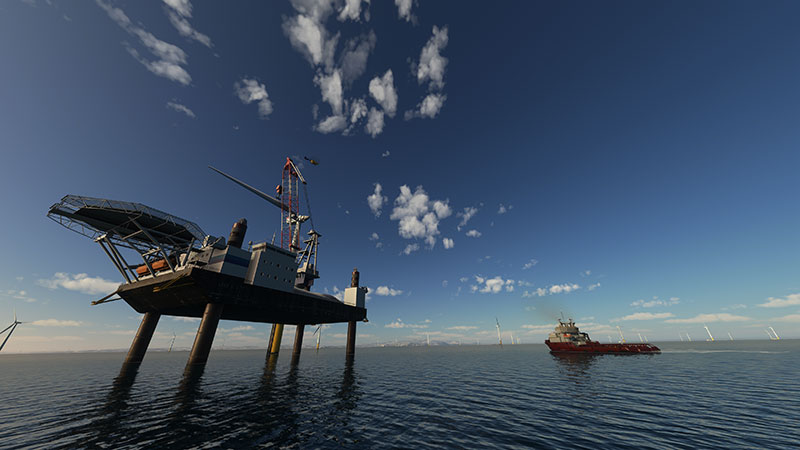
[(205, 334), (351, 338), (142, 338)]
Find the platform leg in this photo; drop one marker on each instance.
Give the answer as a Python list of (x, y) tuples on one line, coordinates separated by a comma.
[(351, 338), (205, 334), (275, 342), (298, 342), (142, 339)]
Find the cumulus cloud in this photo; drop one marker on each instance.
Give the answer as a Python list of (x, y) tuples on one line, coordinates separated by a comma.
[(708, 318), (418, 217), (331, 88), (374, 237), (387, 291), (250, 91), (307, 34), (181, 108), (410, 248), (358, 110), (592, 287), (374, 125), (553, 289), (646, 316), (656, 302), (56, 323), (404, 9), (383, 91), (788, 318), (352, 10), (80, 282), (474, 233), (492, 285), (466, 215), (448, 243), (462, 328), (432, 64), (504, 209), (790, 300), (354, 56), (179, 12), (530, 264), (428, 108), (170, 58), (331, 124), (385, 154), (400, 324), (376, 201)]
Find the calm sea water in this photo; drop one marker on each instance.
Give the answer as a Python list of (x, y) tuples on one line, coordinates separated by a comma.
[(723, 395)]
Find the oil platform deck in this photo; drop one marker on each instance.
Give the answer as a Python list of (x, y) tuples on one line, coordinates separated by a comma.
[(187, 292)]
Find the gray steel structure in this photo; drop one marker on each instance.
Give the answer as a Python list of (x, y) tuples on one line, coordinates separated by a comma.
[(184, 272)]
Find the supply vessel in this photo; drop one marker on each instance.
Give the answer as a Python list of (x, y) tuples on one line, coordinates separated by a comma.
[(568, 338)]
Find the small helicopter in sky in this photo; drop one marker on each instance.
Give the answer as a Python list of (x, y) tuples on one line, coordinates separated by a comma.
[(311, 160)]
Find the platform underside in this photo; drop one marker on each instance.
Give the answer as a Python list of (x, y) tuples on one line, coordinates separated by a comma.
[(187, 292)]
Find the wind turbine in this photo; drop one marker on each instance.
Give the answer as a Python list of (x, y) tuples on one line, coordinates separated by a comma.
[(499, 336), (172, 343), (11, 327), (319, 336)]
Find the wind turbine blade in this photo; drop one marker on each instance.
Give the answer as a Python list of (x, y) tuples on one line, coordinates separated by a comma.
[(1, 332), (259, 193), (9, 335)]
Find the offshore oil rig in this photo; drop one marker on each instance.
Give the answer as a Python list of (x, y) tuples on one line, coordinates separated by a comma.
[(181, 271)]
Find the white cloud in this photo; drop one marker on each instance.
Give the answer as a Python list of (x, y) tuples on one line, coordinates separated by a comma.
[(307, 34), (504, 209), (790, 300), (180, 11), (467, 214), (375, 122), (593, 286), (400, 324), (708, 318), (20, 295), (553, 289), (492, 285), (428, 108), (374, 237), (383, 91), (404, 9), (646, 316), (387, 291), (56, 323), (432, 64), (656, 302), (539, 328), (80, 282), (462, 328), (249, 91), (358, 110), (385, 154), (418, 217), (530, 264), (376, 201), (354, 56), (474, 233), (410, 248), (331, 124), (170, 58), (448, 243), (352, 10), (331, 88), (186, 319), (181, 108)]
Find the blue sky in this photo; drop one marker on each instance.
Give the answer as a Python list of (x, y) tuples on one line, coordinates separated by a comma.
[(627, 163)]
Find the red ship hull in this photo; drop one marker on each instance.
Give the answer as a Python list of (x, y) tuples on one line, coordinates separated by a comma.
[(596, 347)]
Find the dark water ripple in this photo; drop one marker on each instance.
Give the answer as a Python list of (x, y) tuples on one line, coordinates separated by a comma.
[(699, 395)]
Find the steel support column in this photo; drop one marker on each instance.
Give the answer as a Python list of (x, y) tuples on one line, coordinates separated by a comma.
[(277, 335), (142, 339), (351, 338), (205, 334), (298, 341)]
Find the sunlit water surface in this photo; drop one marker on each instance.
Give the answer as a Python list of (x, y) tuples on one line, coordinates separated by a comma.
[(723, 395)]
